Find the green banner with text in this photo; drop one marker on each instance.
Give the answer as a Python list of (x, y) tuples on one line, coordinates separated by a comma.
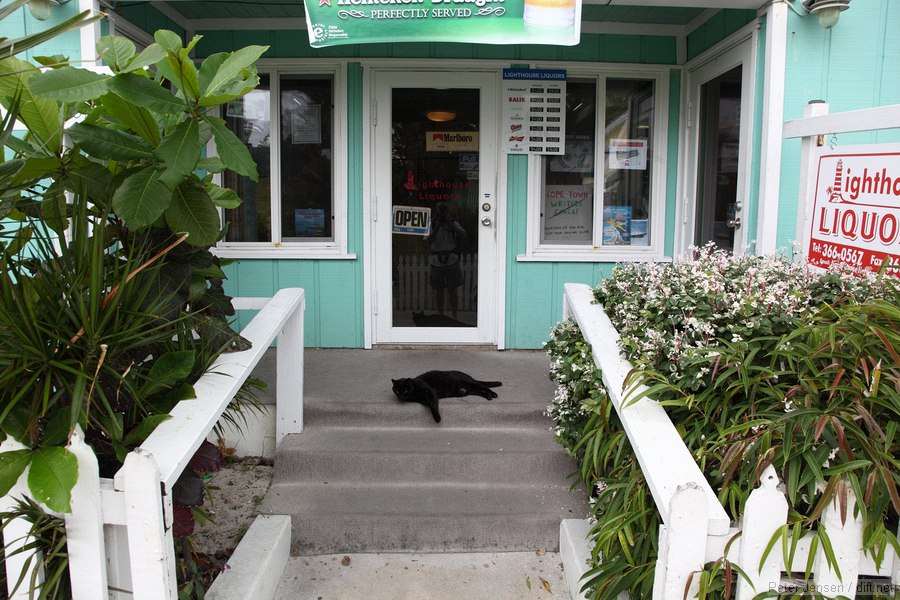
[(337, 22)]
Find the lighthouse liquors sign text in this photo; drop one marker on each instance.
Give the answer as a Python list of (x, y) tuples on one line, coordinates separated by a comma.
[(854, 212)]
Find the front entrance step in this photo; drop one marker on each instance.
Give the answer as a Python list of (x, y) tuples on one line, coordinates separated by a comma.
[(423, 517), (420, 456), (386, 411)]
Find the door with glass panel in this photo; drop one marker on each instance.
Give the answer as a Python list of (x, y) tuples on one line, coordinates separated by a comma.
[(719, 119), (434, 231)]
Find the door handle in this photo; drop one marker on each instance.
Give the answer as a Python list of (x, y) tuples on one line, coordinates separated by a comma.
[(486, 221), (733, 223)]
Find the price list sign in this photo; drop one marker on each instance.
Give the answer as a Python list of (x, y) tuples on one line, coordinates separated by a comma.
[(534, 111)]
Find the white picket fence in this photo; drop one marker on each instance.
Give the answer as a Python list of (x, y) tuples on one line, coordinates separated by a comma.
[(412, 291), (119, 532), (695, 527)]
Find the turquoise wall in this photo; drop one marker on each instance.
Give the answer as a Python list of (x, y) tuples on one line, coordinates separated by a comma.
[(21, 23), (854, 65)]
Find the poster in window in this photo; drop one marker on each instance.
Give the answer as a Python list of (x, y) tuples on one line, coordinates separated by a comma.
[(628, 154), (639, 233), (309, 222), (616, 226), (568, 213), (579, 156), (306, 124)]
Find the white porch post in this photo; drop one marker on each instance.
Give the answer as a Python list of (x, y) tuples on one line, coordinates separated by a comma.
[(773, 119), (89, 34)]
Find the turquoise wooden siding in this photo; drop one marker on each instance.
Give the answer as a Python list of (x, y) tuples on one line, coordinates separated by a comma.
[(851, 66), (21, 23)]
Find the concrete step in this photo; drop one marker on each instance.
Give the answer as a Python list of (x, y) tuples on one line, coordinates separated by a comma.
[(455, 412), (400, 455), (423, 517)]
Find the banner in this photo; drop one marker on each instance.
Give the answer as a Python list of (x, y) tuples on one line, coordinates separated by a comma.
[(338, 22), (854, 208)]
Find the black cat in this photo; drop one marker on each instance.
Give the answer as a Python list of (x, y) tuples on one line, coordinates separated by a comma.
[(430, 387)]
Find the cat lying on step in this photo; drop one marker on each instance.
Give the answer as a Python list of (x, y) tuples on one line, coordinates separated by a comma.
[(431, 386)]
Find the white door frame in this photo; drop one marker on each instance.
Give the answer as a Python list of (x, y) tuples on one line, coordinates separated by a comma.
[(739, 50), (379, 207)]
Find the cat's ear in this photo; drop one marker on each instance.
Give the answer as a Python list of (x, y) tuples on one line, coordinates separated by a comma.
[(394, 381)]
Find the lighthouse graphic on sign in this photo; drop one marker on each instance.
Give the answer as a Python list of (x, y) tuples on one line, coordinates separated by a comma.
[(834, 192)]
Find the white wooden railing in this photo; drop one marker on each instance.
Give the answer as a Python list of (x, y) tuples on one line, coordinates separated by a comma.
[(413, 290), (695, 527), (119, 533)]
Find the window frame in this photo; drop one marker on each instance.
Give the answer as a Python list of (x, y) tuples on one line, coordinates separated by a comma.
[(595, 252), (336, 247)]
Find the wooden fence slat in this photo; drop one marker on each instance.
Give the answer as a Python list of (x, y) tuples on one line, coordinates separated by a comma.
[(682, 544), (84, 526), (846, 540), (765, 511), (16, 535)]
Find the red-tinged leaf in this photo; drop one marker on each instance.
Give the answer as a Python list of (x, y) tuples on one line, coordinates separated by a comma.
[(183, 524), (728, 579), (546, 584), (207, 459), (687, 585), (842, 492), (870, 488), (820, 427), (891, 487), (842, 439), (837, 380)]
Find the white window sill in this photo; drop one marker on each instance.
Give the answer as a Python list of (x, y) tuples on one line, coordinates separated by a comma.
[(283, 251), (598, 255)]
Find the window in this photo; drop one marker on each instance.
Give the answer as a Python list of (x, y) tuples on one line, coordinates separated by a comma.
[(604, 196), (297, 206)]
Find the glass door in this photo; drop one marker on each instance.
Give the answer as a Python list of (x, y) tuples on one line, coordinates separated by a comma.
[(435, 229)]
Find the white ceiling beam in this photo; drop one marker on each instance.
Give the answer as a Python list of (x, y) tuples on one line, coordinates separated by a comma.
[(754, 4)]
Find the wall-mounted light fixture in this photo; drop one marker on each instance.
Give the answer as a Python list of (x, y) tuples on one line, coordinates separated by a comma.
[(828, 11), (40, 9)]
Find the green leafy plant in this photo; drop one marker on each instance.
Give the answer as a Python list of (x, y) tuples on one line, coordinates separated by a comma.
[(757, 362)]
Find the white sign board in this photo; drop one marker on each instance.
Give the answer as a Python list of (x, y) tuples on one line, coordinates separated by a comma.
[(628, 154), (534, 111), (853, 212)]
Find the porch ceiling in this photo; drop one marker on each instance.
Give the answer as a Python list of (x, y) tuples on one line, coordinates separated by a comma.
[(198, 15)]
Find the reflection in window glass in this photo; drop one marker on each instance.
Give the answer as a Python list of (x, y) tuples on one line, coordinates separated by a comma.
[(627, 172), (567, 203), (306, 158), (304, 197), (249, 119)]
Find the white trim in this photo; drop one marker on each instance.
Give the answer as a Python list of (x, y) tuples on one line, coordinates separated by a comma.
[(772, 125), (367, 201), (700, 19), (336, 248), (717, 4), (174, 15), (866, 119), (615, 27), (120, 26), (601, 72), (89, 34)]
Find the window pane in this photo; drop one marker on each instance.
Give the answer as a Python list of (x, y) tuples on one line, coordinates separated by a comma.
[(626, 190), (306, 158), (249, 119), (567, 199)]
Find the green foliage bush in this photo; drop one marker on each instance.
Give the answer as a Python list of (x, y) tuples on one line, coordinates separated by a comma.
[(758, 362)]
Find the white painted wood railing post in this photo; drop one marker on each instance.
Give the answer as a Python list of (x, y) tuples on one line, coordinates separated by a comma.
[(682, 544), (149, 517), (289, 377), (84, 526), (846, 540), (765, 511), (16, 535), (895, 568)]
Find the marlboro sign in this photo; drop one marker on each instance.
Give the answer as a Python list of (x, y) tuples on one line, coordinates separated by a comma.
[(854, 217)]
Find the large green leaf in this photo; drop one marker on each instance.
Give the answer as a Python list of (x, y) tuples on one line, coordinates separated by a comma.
[(52, 476), (41, 116), (133, 117), (231, 68), (150, 55), (193, 211), (146, 93), (224, 197), (209, 67), (184, 74), (94, 179), (231, 149), (172, 367), (143, 431), (141, 199), (53, 208), (69, 84), (12, 465), (109, 144), (169, 40), (180, 150), (116, 51)]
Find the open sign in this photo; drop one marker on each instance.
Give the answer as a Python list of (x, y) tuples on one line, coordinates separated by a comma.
[(412, 220)]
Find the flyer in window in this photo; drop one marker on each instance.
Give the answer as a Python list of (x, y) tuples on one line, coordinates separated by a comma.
[(628, 154), (616, 225)]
